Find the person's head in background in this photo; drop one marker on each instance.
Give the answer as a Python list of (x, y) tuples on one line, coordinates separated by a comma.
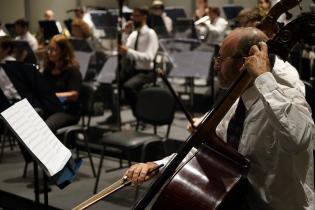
[(79, 13), (251, 17), (201, 8), (157, 7), (49, 15), (60, 53), (213, 13), (139, 17), (21, 26), (264, 5), (6, 48), (80, 29)]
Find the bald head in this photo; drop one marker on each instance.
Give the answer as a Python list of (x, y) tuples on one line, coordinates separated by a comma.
[(234, 49), (49, 15), (240, 40)]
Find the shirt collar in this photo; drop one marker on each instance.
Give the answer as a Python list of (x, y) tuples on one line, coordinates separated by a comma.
[(143, 28), (250, 96)]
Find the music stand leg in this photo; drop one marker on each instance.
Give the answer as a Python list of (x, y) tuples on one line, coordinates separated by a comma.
[(45, 191), (36, 184)]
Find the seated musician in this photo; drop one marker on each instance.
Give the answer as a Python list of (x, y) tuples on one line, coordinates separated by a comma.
[(62, 74), (158, 9), (270, 124), (201, 9), (217, 27), (23, 33), (6, 85), (141, 47), (80, 29)]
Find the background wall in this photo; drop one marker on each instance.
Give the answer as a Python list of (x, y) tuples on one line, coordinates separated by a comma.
[(10, 10)]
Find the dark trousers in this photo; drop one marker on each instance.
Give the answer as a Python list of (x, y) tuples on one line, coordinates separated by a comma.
[(60, 120), (130, 85), (135, 83)]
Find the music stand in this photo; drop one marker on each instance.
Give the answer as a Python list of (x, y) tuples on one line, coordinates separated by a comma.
[(68, 24), (10, 27), (108, 72), (231, 11), (106, 21), (24, 52), (49, 28), (157, 24), (181, 49), (30, 84), (80, 45), (175, 13)]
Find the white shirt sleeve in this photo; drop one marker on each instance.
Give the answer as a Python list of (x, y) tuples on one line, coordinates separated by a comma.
[(151, 46), (288, 112)]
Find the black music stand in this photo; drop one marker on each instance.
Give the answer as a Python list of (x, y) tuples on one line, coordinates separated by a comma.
[(10, 27), (231, 11), (175, 13), (24, 52), (157, 24), (49, 28), (30, 84), (198, 64), (68, 23)]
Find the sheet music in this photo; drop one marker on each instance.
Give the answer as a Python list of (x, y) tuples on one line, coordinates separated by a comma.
[(36, 136), (108, 72), (84, 60)]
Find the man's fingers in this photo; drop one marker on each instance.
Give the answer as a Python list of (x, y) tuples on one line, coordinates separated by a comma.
[(263, 47), (253, 50)]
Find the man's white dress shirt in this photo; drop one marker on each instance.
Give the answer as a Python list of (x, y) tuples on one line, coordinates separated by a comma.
[(32, 41), (217, 31), (147, 47), (276, 138), (6, 85)]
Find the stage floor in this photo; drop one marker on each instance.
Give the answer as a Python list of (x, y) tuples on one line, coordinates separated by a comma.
[(11, 181)]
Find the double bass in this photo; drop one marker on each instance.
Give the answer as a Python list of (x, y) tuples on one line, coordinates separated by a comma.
[(215, 177)]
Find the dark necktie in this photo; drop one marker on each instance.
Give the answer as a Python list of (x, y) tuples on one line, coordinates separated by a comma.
[(235, 127), (137, 40)]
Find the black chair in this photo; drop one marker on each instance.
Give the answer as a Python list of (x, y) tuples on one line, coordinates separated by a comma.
[(70, 133), (155, 106)]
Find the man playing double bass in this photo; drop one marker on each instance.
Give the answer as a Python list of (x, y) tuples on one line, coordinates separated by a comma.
[(270, 124)]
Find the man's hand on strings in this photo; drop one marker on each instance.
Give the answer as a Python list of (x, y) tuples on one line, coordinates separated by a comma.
[(140, 172)]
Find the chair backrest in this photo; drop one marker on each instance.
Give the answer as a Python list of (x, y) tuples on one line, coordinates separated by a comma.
[(156, 106), (310, 97), (87, 99)]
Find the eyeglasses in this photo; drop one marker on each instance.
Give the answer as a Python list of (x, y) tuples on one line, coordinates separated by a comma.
[(219, 59)]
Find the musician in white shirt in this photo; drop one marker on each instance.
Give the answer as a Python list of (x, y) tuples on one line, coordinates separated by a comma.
[(141, 47), (217, 26), (158, 9), (277, 132), (6, 85), (22, 30)]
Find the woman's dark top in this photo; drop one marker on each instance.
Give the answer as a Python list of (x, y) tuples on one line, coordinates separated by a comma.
[(70, 79)]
